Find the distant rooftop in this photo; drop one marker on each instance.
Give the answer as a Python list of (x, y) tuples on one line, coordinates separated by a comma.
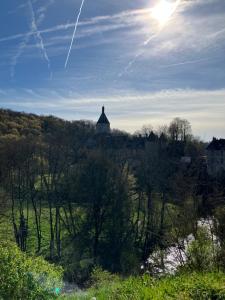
[(217, 144)]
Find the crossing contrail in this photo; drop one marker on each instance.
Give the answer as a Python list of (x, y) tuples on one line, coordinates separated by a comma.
[(37, 33), (139, 54), (74, 32), (33, 32)]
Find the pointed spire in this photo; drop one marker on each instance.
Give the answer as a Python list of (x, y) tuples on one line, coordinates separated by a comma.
[(103, 118), (103, 125)]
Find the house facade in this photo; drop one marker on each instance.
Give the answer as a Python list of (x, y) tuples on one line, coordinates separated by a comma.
[(216, 157)]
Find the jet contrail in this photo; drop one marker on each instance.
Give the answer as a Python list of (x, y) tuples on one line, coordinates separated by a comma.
[(187, 62), (33, 32), (139, 54), (37, 33), (74, 32), (19, 52), (130, 64)]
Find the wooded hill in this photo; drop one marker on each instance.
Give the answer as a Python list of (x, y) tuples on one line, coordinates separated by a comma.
[(66, 194), (19, 124)]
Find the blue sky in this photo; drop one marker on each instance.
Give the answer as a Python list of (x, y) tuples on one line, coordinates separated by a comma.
[(179, 73)]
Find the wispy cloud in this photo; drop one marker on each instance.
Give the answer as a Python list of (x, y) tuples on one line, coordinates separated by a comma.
[(19, 52), (21, 6), (180, 35), (133, 18), (120, 39), (125, 18), (41, 11), (129, 111), (33, 32)]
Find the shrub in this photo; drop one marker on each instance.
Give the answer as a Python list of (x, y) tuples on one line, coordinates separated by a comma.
[(23, 277), (100, 277), (202, 252)]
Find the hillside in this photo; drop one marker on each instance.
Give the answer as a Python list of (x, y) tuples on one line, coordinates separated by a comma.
[(19, 124), (16, 124)]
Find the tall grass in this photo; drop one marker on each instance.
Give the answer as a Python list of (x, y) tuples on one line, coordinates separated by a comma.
[(193, 286)]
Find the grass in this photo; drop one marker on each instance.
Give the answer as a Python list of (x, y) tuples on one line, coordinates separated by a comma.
[(7, 234), (194, 286)]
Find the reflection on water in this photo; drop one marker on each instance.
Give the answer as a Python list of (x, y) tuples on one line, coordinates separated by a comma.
[(169, 260)]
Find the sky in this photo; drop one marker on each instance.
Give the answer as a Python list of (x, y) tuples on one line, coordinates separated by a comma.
[(144, 72)]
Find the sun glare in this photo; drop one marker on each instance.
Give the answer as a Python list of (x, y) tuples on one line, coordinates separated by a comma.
[(163, 11)]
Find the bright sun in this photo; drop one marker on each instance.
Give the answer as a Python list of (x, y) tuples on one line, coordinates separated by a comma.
[(163, 11)]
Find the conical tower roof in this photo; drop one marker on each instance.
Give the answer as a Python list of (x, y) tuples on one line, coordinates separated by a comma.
[(103, 119)]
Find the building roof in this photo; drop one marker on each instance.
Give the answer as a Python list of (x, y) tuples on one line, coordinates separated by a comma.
[(103, 119), (216, 144)]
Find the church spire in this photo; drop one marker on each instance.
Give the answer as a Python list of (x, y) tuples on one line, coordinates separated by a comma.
[(103, 124)]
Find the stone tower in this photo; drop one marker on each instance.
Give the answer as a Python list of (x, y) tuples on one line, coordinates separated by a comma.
[(103, 125)]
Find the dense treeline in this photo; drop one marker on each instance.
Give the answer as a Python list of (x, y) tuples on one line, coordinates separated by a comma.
[(72, 197)]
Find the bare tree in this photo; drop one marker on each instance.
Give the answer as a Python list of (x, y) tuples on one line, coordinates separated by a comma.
[(179, 129)]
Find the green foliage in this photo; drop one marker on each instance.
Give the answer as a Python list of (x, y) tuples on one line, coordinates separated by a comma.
[(202, 252), (23, 277), (100, 277), (77, 267), (14, 124), (189, 286)]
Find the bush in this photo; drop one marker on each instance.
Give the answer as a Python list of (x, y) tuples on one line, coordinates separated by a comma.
[(23, 277), (202, 253), (100, 278)]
